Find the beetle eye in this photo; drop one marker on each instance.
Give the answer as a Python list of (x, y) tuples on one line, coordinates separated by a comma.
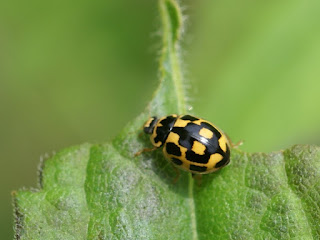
[(149, 125)]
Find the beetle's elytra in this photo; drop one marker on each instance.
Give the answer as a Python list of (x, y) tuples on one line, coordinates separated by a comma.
[(190, 143)]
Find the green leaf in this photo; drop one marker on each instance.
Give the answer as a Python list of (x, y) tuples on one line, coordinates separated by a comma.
[(101, 191)]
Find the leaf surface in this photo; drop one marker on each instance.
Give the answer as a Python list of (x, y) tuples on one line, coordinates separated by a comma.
[(101, 191)]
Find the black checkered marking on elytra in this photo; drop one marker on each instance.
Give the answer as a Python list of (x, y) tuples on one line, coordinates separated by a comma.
[(176, 161), (173, 149), (197, 168), (225, 160), (188, 117), (190, 133)]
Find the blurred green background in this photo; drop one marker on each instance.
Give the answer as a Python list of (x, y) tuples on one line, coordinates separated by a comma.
[(77, 71)]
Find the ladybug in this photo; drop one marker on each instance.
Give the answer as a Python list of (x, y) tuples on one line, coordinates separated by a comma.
[(190, 143)]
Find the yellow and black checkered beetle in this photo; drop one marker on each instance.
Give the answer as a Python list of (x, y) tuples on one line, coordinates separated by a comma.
[(190, 143)]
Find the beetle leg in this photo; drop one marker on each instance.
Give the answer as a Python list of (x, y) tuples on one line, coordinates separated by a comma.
[(234, 145), (238, 144), (145, 150)]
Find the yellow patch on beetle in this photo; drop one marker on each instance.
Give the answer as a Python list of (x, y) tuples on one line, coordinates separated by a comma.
[(158, 144), (223, 143), (214, 159), (198, 122), (181, 123), (147, 124), (205, 132), (153, 137), (198, 148), (173, 137)]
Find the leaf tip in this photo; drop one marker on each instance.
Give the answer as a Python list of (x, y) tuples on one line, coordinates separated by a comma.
[(174, 17)]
